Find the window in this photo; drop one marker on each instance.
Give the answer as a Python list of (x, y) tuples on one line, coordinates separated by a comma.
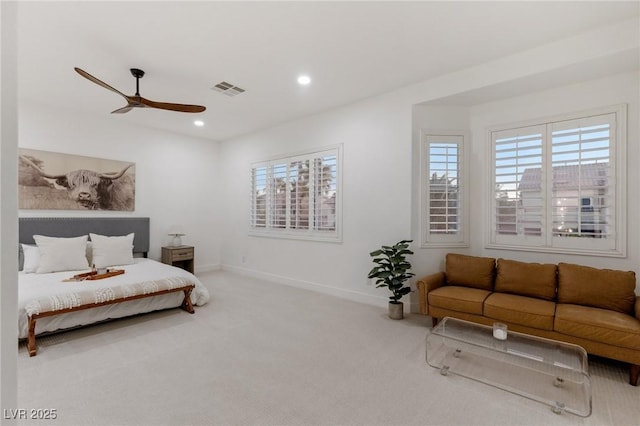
[(558, 186), (297, 196), (444, 196)]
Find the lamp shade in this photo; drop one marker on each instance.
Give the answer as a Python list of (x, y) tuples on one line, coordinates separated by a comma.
[(176, 231)]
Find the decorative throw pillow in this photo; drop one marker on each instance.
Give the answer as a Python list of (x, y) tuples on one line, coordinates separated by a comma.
[(111, 251), (61, 254), (31, 256)]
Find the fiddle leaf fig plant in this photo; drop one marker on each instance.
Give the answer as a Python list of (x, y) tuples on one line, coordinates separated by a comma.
[(392, 269)]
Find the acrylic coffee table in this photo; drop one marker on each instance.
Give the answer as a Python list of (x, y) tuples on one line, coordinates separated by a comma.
[(547, 371)]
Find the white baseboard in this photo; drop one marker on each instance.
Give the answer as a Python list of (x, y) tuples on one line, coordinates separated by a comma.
[(309, 285), (208, 268)]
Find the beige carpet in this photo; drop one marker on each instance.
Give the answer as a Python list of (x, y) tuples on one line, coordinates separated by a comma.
[(266, 354)]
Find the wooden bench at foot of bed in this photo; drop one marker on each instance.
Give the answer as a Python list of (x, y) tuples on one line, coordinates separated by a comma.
[(79, 301)]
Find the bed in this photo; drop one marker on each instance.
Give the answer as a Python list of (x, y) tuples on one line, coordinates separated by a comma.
[(49, 300)]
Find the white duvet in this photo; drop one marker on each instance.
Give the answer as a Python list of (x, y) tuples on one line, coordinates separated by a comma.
[(36, 286)]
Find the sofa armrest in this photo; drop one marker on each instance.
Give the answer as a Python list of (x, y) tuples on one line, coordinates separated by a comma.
[(638, 307), (426, 285)]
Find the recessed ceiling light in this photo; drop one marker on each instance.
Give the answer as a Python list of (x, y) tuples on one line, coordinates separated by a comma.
[(304, 80), (199, 123)]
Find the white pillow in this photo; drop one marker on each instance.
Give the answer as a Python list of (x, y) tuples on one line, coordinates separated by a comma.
[(110, 251), (31, 257), (61, 254), (89, 253)]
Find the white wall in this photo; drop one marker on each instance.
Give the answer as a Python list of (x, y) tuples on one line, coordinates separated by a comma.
[(611, 90), (381, 172), (433, 118), (376, 176), (177, 177), (207, 189), (206, 186), (8, 208)]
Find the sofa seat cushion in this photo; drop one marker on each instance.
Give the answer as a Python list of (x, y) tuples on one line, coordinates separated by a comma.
[(459, 299), (599, 288), (522, 310), (526, 279), (598, 325), (470, 271)]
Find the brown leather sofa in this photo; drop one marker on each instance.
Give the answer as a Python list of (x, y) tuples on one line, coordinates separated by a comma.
[(594, 308)]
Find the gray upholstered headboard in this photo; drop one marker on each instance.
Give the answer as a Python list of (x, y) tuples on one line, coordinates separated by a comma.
[(77, 226)]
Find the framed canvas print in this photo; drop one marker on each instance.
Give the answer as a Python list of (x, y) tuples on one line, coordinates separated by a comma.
[(56, 181)]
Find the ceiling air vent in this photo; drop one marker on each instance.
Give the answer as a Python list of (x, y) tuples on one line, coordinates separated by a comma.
[(227, 88)]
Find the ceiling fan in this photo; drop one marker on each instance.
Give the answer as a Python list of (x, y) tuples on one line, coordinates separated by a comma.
[(137, 101)]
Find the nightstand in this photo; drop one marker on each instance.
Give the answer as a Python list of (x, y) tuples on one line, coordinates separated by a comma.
[(180, 256)]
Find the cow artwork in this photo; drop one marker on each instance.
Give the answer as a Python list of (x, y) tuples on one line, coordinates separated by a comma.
[(59, 181)]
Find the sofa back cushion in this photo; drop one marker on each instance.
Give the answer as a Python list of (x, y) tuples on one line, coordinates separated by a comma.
[(526, 279), (470, 271), (599, 288)]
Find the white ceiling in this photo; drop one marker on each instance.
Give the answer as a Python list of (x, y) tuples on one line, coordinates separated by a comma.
[(351, 50)]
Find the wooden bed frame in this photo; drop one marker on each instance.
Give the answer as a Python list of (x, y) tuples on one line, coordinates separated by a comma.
[(73, 227), (31, 339)]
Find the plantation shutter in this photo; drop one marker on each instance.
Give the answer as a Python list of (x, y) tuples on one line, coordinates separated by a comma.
[(325, 192), (559, 186), (298, 196), (583, 196), (519, 185), (443, 198), (258, 216), (277, 204)]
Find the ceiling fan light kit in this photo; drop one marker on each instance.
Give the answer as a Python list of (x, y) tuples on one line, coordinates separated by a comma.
[(137, 101)]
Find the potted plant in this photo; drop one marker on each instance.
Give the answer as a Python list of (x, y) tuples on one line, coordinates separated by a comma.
[(392, 271)]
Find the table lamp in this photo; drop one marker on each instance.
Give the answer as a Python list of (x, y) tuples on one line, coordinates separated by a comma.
[(176, 231)]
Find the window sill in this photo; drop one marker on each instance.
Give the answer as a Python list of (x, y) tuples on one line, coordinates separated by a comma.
[(557, 250), (290, 235)]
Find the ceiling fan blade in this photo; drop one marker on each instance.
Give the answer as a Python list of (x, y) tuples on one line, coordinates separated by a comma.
[(170, 106), (123, 109), (132, 102), (97, 81), (138, 101)]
